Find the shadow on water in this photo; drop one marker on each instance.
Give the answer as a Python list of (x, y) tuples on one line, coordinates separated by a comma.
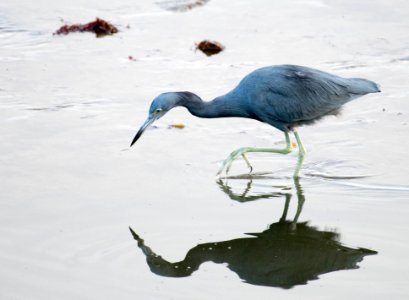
[(287, 254)]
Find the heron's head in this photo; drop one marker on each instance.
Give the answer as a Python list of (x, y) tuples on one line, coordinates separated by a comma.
[(159, 107)]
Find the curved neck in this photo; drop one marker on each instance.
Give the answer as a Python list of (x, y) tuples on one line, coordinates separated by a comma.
[(223, 106)]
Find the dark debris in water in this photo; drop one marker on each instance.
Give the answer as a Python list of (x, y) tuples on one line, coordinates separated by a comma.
[(181, 5), (209, 47), (54, 108), (400, 59), (100, 27)]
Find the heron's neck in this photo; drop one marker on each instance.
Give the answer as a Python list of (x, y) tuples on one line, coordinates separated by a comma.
[(223, 106)]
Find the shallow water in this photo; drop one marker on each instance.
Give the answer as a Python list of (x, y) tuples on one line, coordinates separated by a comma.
[(71, 186)]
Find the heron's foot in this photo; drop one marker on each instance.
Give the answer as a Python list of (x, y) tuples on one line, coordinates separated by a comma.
[(232, 157), (242, 152)]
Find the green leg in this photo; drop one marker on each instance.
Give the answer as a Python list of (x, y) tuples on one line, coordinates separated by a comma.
[(301, 155), (242, 152)]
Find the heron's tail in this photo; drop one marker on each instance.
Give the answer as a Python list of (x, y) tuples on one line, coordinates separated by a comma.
[(361, 86)]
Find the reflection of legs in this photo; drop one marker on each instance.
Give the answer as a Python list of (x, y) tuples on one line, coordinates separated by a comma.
[(286, 205), (301, 154), (242, 152), (247, 189), (301, 200)]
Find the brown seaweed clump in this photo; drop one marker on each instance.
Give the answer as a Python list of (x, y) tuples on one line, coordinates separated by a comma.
[(209, 47), (100, 27)]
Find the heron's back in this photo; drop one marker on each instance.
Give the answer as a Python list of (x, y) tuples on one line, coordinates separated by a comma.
[(286, 96)]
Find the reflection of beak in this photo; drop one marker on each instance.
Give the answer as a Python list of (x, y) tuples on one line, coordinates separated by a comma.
[(145, 125)]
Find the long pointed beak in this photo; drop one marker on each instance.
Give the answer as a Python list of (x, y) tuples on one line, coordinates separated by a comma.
[(145, 125)]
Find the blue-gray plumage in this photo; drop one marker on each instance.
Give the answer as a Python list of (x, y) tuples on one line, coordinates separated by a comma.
[(284, 96)]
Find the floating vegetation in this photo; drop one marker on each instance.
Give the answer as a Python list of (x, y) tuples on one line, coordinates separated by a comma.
[(100, 27), (209, 47)]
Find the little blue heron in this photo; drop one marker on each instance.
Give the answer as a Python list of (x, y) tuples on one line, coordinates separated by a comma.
[(284, 96)]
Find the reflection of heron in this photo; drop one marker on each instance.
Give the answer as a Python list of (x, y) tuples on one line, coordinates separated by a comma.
[(283, 96), (245, 196), (288, 253)]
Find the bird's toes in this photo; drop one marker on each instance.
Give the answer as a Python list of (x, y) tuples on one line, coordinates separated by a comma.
[(232, 157), (225, 165), (221, 168), (229, 164), (228, 169), (219, 172)]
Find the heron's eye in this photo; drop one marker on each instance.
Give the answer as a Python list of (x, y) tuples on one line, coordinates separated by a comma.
[(158, 110)]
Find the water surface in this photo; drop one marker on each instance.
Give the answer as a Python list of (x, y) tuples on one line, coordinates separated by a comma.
[(70, 186)]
